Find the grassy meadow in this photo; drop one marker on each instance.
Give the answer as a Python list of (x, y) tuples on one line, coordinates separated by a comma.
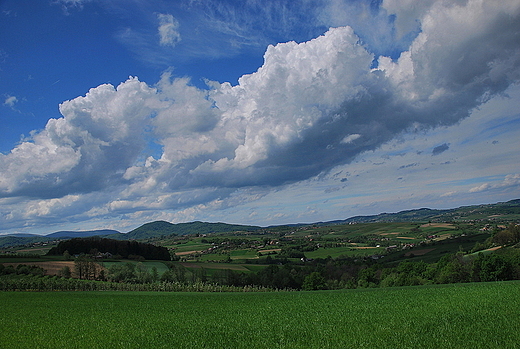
[(478, 315)]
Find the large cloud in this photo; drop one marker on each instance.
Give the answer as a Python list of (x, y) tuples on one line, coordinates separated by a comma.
[(310, 107)]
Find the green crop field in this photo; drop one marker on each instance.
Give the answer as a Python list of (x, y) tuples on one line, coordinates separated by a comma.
[(481, 315)]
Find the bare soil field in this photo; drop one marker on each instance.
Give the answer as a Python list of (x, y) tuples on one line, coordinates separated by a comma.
[(186, 253)]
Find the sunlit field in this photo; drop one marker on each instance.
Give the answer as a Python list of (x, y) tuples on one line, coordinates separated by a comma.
[(481, 315)]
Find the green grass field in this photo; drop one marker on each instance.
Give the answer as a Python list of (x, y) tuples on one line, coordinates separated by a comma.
[(483, 315), (191, 246), (161, 267)]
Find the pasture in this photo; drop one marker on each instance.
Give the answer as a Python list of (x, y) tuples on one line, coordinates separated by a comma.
[(481, 315)]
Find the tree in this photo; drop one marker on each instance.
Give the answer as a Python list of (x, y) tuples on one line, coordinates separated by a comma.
[(453, 269), (367, 277), (155, 274), (80, 266), (65, 272), (122, 272), (314, 281), (179, 272), (504, 237), (143, 276), (493, 267)]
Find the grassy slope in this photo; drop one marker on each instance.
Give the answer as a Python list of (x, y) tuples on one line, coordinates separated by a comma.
[(484, 315)]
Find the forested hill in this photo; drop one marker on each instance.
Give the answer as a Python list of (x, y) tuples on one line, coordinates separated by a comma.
[(81, 234), (162, 228)]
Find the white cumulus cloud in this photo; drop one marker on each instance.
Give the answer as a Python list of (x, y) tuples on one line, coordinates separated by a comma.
[(89, 148)]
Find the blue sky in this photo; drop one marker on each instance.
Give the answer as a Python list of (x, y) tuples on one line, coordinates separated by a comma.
[(115, 113)]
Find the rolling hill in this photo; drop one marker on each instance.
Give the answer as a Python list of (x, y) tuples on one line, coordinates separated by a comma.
[(502, 211)]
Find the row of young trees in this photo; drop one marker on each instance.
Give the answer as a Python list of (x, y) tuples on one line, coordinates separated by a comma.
[(56, 283)]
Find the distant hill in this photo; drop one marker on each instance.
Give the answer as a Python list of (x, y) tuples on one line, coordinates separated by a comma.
[(7, 241), (21, 235), (81, 234), (501, 210), (24, 239), (151, 230)]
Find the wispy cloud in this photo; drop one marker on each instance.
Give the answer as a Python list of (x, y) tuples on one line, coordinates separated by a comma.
[(10, 101), (168, 30), (68, 5)]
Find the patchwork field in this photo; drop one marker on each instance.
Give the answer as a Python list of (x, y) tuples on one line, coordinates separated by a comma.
[(483, 315)]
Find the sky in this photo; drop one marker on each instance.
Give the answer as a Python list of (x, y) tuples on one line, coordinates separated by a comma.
[(115, 113)]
